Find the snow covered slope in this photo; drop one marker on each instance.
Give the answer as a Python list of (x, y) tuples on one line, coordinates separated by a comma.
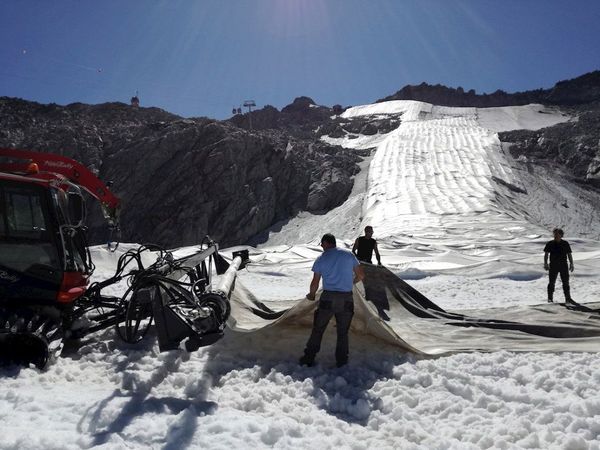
[(458, 218), (443, 169), (445, 197)]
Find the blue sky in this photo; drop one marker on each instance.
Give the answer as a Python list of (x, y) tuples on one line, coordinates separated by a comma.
[(201, 58)]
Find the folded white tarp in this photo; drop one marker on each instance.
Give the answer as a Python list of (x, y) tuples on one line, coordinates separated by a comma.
[(388, 308)]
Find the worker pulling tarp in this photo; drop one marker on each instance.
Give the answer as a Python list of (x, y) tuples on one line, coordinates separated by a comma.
[(388, 308)]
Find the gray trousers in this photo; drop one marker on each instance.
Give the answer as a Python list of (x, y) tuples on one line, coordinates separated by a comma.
[(340, 305)]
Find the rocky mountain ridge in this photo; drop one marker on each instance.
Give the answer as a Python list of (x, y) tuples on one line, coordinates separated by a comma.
[(577, 91), (303, 118), (180, 179)]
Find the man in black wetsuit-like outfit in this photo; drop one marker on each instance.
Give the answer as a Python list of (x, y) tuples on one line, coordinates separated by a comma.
[(365, 245), (559, 251)]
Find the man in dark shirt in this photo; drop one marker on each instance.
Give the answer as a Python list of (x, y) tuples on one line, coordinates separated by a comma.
[(559, 251), (365, 245)]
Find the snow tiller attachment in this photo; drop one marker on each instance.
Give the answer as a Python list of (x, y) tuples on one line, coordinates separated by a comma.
[(45, 266), (176, 294)]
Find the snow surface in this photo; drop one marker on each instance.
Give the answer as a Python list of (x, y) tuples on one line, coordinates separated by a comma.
[(450, 211)]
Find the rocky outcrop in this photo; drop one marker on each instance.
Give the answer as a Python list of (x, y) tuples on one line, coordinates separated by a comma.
[(84, 132), (180, 179), (339, 127), (217, 179), (300, 119), (305, 120), (574, 147)]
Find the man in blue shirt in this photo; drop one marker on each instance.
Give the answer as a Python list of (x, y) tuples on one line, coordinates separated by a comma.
[(337, 267)]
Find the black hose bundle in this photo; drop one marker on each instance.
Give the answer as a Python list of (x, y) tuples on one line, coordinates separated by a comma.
[(205, 312)]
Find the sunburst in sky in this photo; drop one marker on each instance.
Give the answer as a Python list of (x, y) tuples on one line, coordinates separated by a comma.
[(205, 57)]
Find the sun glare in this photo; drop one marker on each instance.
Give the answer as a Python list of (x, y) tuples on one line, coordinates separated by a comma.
[(290, 18)]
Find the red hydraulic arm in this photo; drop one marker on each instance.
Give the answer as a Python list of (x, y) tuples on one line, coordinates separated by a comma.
[(50, 165)]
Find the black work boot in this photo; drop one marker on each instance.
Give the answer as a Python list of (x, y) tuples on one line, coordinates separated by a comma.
[(307, 360)]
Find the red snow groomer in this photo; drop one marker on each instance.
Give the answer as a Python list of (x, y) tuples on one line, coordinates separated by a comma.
[(45, 267)]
